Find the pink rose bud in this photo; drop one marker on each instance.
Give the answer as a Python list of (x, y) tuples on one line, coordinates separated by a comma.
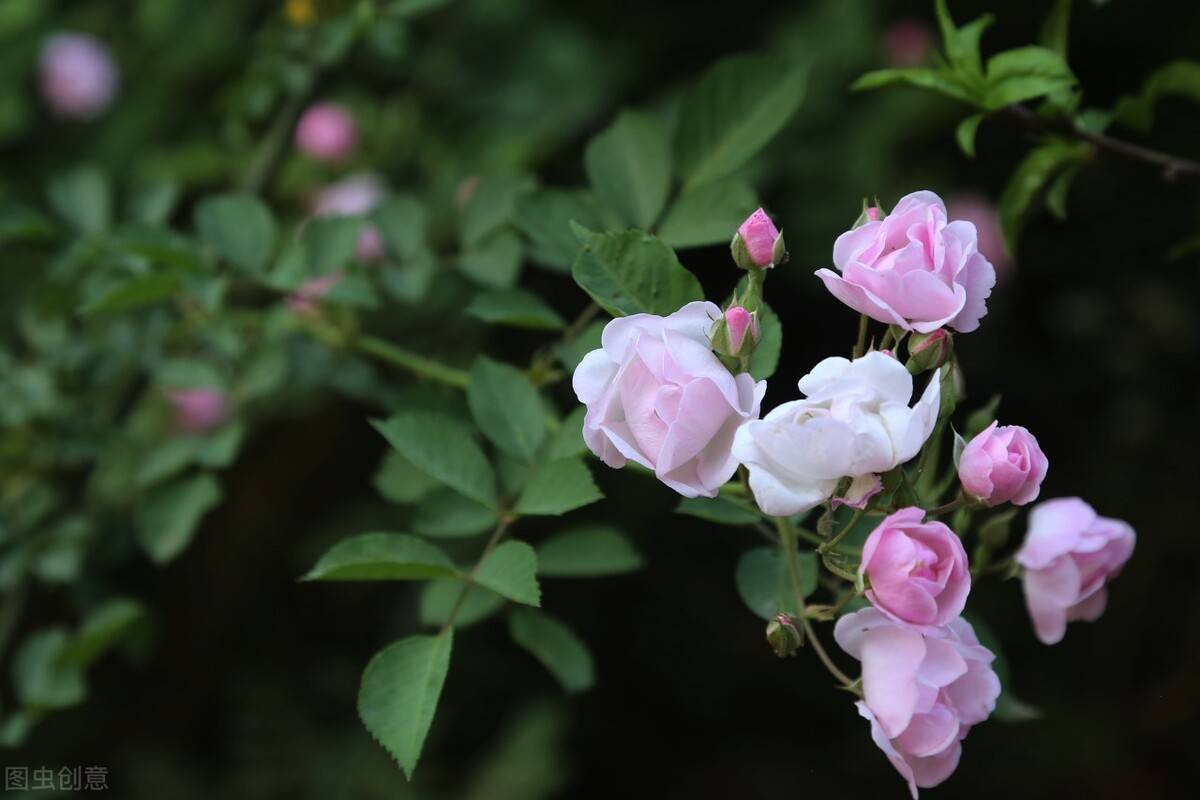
[(918, 570), (305, 300), (740, 321), (873, 214), (908, 43), (198, 410), (913, 268), (983, 214), (923, 690), (77, 75), (758, 243), (657, 395), (1069, 555), (928, 351), (326, 132), (355, 196), (1003, 465)]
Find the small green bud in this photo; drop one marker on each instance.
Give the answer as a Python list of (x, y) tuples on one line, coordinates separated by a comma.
[(783, 635), (928, 351)]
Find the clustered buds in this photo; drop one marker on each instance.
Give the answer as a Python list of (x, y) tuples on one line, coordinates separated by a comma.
[(758, 244)]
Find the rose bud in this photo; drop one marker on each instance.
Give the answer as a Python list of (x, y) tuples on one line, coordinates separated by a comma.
[(758, 244), (326, 132), (1069, 555), (198, 410), (918, 570), (730, 335), (928, 351), (1003, 465), (783, 636), (77, 75)]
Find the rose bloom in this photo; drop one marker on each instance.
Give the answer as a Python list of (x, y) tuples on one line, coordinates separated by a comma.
[(918, 570), (198, 410), (1002, 465), (354, 196), (326, 132), (1069, 555), (855, 422), (658, 396), (922, 690), (77, 75), (913, 268)]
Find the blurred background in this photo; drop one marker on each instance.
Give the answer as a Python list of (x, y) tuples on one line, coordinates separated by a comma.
[(245, 684)]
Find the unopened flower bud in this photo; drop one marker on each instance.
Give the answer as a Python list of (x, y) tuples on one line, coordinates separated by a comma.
[(758, 243), (730, 338), (198, 410), (783, 635), (928, 351), (326, 132), (868, 214), (77, 75)]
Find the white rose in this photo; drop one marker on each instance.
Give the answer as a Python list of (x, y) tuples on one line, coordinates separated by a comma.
[(855, 422)]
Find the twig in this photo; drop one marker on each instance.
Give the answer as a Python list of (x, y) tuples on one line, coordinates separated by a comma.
[(413, 362), (469, 580)]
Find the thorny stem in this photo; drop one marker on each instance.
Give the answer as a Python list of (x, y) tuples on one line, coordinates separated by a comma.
[(1172, 166), (861, 345), (787, 537), (413, 362), (469, 581), (825, 547), (946, 508)]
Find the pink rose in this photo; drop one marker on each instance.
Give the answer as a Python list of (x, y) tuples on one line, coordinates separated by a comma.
[(983, 214), (656, 395), (354, 196), (77, 75), (918, 570), (922, 690), (1069, 554), (1003, 465), (198, 410), (913, 268), (759, 235), (326, 132)]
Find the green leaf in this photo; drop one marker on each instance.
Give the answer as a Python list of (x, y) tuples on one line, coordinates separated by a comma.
[(507, 408), (942, 81), (982, 417), (496, 261), (401, 223), (409, 282), (1056, 28), (329, 243), (1056, 195), (633, 272), (170, 514), (239, 227), (735, 108), (382, 557), (629, 165), (962, 44), (572, 352), (545, 217), (83, 198), (1038, 167), (446, 514), (965, 133), (439, 446), (764, 583), (43, 674), (588, 551), (765, 357), (103, 628), (556, 487), (135, 293), (490, 207), (708, 214), (1176, 78), (438, 599), (399, 480), (517, 308), (399, 694), (511, 571), (567, 441), (717, 509), (555, 645), (1023, 74)]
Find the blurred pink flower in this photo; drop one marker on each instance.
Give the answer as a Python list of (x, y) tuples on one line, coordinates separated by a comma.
[(198, 410), (982, 213), (326, 132), (354, 196), (907, 43), (305, 299), (77, 74)]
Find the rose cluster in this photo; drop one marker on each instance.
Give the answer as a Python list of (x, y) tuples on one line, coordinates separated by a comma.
[(674, 395)]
